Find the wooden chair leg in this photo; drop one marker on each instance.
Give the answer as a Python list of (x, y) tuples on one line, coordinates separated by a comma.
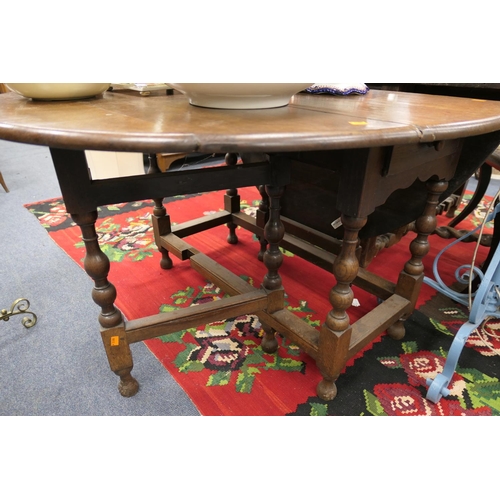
[(2, 182)]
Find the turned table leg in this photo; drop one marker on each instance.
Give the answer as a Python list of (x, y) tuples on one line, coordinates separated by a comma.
[(232, 201), (97, 265), (262, 216), (273, 258), (160, 220), (263, 210), (232, 205), (335, 333), (411, 278)]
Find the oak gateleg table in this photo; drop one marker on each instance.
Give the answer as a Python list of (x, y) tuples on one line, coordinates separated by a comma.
[(377, 144)]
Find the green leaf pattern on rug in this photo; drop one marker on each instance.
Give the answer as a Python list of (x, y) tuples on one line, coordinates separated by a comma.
[(183, 363), (219, 378), (245, 379), (318, 410), (482, 390), (373, 405), (175, 337), (133, 242), (409, 347), (440, 327), (180, 297)]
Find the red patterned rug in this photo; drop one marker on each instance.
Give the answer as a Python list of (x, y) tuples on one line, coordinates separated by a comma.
[(221, 365)]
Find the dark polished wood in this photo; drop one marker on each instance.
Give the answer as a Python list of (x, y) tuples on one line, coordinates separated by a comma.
[(373, 146), (482, 91), (117, 122), (472, 90)]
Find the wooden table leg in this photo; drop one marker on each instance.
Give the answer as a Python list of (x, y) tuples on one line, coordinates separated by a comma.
[(335, 333), (411, 278), (232, 201), (232, 205), (160, 219), (96, 264), (273, 258), (262, 216)]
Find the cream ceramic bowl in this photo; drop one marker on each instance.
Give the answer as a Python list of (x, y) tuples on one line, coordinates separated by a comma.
[(58, 91), (239, 95)]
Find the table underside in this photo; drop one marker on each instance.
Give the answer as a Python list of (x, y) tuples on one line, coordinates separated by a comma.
[(364, 180)]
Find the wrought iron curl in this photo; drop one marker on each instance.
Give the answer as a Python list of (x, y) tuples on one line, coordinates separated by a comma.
[(462, 273), (486, 305), (20, 306)]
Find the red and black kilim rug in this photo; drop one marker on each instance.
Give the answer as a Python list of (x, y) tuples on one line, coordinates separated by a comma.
[(221, 366)]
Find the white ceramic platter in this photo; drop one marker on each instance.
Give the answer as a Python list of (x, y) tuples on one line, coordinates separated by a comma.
[(239, 95)]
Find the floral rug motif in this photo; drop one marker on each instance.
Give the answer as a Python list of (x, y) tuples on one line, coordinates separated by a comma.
[(398, 373), (221, 365)]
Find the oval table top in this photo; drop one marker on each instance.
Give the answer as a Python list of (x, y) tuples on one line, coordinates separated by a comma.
[(168, 123)]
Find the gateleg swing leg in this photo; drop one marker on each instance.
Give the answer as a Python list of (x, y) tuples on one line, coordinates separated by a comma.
[(411, 278)]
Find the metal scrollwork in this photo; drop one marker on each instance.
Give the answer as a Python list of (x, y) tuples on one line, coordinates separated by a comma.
[(20, 306), (486, 304)]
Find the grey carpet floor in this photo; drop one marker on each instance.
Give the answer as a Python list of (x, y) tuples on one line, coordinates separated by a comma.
[(58, 367)]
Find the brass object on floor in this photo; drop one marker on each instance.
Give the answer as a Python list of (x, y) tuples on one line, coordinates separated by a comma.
[(19, 306), (2, 182)]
